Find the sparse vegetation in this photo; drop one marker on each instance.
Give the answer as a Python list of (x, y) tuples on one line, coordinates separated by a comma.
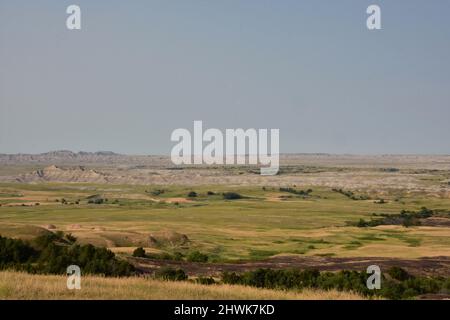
[(297, 192), (405, 218), (156, 192), (351, 195)]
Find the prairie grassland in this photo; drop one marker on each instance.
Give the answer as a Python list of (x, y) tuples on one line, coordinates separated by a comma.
[(252, 228), (16, 285), (266, 222)]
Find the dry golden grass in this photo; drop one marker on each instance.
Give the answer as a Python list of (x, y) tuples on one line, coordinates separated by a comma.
[(16, 285)]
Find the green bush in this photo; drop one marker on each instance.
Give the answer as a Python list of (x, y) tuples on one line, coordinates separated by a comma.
[(399, 274), (177, 256), (297, 192), (231, 196), (139, 253), (14, 252), (71, 238), (96, 201), (197, 256), (192, 194), (404, 218), (362, 223), (43, 241), (351, 195), (170, 274), (156, 192)]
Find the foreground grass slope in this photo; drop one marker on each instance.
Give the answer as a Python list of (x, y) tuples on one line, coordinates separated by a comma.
[(17, 285)]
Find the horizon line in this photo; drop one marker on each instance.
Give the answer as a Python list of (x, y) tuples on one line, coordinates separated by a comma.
[(113, 153)]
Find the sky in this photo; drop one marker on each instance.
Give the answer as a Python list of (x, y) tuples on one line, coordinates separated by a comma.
[(137, 70)]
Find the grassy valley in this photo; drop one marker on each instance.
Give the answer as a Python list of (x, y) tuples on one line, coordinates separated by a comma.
[(328, 218)]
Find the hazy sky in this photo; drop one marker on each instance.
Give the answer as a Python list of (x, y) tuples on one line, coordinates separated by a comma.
[(140, 69)]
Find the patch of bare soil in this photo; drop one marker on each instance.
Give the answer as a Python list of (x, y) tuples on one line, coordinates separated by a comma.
[(49, 226), (435, 266), (435, 222), (179, 200), (172, 200), (74, 227)]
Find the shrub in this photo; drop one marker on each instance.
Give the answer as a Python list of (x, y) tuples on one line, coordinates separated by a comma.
[(197, 256), (351, 195), (362, 223), (171, 274), (156, 192), (231, 196), (398, 273), (13, 252), (404, 218), (59, 234), (71, 238), (139, 252), (192, 194), (96, 201), (43, 241), (297, 192), (178, 256)]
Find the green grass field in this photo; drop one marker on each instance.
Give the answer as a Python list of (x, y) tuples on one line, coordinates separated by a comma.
[(264, 223)]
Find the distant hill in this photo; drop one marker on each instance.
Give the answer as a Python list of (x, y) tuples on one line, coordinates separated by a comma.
[(56, 174), (67, 157)]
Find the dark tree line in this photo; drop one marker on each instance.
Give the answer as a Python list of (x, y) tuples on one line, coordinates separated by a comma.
[(398, 284), (52, 254)]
